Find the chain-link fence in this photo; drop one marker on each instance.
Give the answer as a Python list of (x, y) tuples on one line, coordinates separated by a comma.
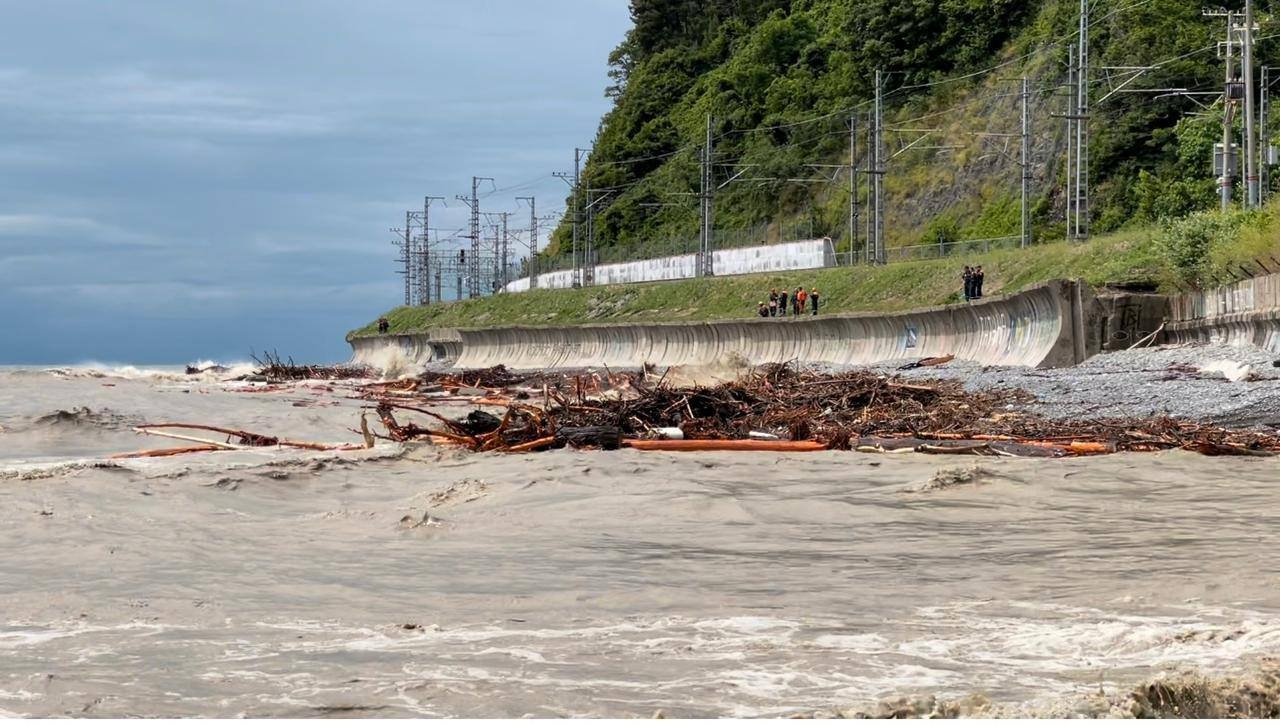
[(769, 234), (723, 239), (924, 252)]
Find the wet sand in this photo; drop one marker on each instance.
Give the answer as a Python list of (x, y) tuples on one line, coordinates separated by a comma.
[(421, 582)]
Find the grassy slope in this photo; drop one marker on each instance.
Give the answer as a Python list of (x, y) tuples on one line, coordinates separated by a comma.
[(1127, 256)]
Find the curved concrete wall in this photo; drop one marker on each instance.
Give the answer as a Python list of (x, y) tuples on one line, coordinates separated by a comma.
[(1244, 313), (391, 351), (1042, 327)]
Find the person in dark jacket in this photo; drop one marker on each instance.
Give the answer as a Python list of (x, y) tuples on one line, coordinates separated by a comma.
[(773, 302), (968, 282), (978, 278), (813, 301), (783, 299), (762, 310), (383, 325)]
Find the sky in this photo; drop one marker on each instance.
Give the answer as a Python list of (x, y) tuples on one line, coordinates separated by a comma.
[(186, 181)]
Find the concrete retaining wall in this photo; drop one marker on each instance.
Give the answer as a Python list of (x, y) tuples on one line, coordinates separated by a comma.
[(1244, 313), (812, 254), (393, 351), (1047, 326)]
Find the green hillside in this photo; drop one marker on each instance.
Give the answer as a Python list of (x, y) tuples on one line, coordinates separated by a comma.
[(781, 79)]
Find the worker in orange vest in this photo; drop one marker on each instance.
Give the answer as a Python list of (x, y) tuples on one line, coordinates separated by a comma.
[(802, 297)]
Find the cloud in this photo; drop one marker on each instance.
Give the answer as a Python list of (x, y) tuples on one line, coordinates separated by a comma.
[(239, 163), (170, 299), (21, 228), (145, 101)]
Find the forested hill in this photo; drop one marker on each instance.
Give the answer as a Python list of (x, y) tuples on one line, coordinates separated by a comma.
[(781, 79)]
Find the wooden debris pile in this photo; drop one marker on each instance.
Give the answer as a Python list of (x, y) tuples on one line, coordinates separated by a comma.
[(500, 386), (243, 439), (271, 368), (778, 407)]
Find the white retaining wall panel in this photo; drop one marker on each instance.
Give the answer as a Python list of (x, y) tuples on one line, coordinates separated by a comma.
[(811, 254)]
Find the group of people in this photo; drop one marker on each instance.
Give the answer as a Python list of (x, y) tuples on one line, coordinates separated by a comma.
[(799, 302), (972, 283)]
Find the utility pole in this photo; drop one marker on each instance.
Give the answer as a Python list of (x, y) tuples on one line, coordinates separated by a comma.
[(506, 259), (473, 265), (473, 274), (590, 256), (533, 240), (1026, 162), (1251, 137), (1082, 127), (424, 266), (705, 262), (878, 169), (495, 271), (577, 181), (1264, 135), (589, 252), (1227, 157), (574, 212), (408, 259), (869, 246), (1072, 89), (853, 185)]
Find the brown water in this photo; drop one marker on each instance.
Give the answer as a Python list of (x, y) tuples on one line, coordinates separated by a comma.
[(281, 583)]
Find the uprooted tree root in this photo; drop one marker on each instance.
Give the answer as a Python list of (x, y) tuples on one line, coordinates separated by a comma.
[(274, 369), (777, 404)]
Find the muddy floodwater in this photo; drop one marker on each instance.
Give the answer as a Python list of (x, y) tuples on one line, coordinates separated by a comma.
[(422, 582)]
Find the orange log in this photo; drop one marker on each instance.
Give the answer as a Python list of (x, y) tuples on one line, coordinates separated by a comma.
[(1077, 447), (745, 445), (531, 445)]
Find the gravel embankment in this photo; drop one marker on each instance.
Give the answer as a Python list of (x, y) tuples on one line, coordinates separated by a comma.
[(1139, 383)]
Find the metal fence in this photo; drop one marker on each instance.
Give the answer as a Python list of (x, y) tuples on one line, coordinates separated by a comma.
[(924, 252), (722, 239), (738, 238)]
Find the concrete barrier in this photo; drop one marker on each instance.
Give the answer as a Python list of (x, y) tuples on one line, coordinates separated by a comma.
[(811, 254), (1047, 326), (1243, 313), (400, 351)]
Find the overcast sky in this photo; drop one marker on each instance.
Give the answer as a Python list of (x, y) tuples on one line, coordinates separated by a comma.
[(184, 181)]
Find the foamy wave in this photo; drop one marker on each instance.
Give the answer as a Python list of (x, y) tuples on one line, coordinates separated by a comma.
[(393, 361), (209, 371)]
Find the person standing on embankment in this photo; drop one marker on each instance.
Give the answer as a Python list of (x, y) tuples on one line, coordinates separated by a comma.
[(782, 302), (813, 300), (802, 297)]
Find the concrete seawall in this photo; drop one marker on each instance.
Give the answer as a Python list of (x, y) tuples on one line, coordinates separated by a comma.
[(1051, 325), (1244, 313), (397, 351)]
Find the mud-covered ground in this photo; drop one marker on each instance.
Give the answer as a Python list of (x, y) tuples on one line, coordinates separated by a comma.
[(423, 582)]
